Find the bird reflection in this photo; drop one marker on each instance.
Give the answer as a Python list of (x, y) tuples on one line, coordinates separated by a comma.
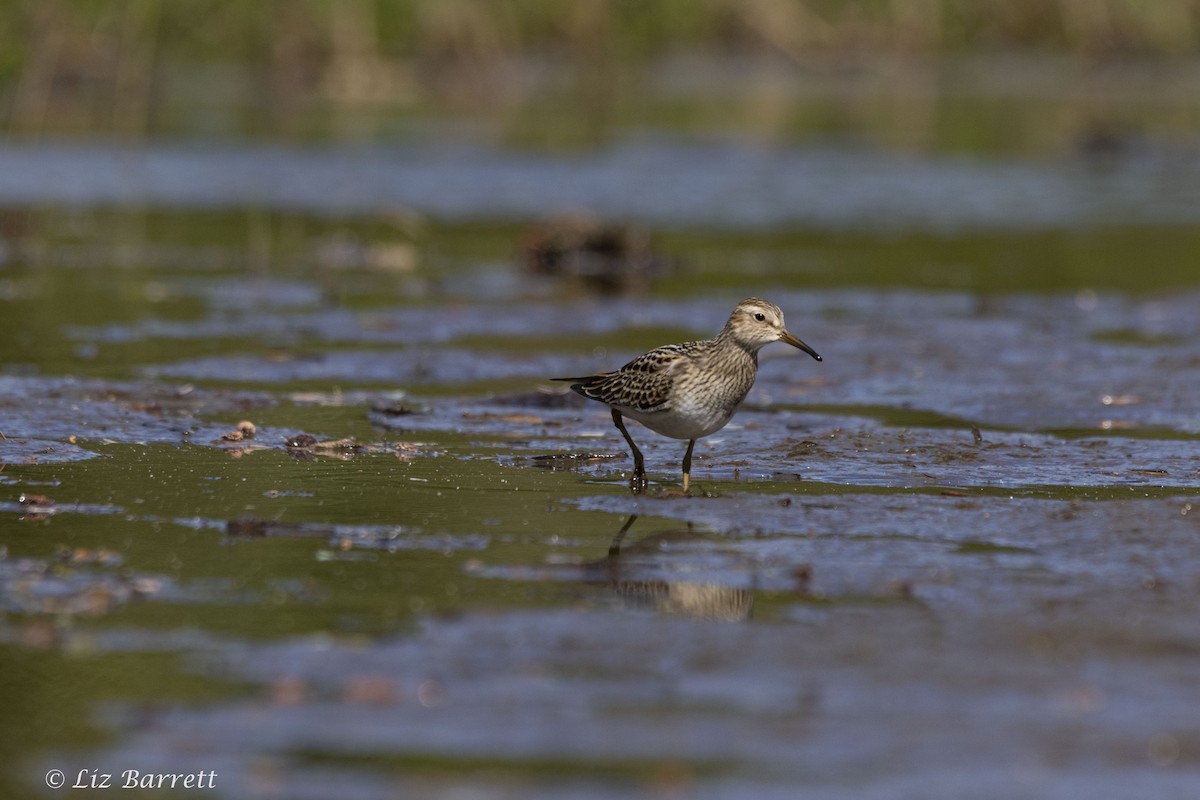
[(712, 601)]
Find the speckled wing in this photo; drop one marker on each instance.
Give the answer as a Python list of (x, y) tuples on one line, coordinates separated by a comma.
[(643, 384)]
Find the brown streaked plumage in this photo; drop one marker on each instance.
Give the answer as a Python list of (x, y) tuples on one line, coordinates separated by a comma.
[(690, 390)]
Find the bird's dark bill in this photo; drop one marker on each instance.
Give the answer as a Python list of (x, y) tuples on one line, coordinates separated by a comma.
[(794, 342)]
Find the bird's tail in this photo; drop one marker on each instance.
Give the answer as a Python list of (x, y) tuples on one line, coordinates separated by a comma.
[(582, 384)]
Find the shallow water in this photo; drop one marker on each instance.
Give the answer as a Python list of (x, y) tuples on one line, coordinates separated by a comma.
[(958, 557), (723, 184)]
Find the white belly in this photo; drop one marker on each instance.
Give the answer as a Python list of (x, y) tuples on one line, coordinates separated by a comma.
[(683, 421)]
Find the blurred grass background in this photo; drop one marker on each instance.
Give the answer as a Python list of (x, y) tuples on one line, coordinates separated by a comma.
[(146, 67)]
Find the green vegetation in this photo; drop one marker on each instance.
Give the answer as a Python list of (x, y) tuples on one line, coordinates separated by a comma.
[(321, 34), (132, 67)]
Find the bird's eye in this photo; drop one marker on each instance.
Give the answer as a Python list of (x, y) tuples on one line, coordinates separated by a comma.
[(760, 316)]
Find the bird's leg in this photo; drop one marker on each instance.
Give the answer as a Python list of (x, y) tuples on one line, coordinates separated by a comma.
[(687, 464), (638, 482), (614, 549)]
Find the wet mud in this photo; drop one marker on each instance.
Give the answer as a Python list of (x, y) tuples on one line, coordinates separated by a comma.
[(360, 545)]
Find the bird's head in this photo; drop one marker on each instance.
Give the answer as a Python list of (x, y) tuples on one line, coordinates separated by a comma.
[(755, 323)]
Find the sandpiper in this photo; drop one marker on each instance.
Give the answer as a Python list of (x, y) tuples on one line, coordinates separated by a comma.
[(690, 390)]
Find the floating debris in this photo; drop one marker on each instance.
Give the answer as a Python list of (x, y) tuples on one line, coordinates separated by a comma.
[(305, 445), (343, 251), (346, 445), (553, 461), (303, 440), (82, 555), (602, 257), (245, 430), (394, 408), (36, 507)]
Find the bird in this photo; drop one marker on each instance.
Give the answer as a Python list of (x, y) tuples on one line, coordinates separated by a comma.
[(690, 390)]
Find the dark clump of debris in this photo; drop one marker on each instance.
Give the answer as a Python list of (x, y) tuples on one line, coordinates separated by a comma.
[(305, 446), (570, 461), (608, 258), (36, 507), (394, 408), (301, 440)]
